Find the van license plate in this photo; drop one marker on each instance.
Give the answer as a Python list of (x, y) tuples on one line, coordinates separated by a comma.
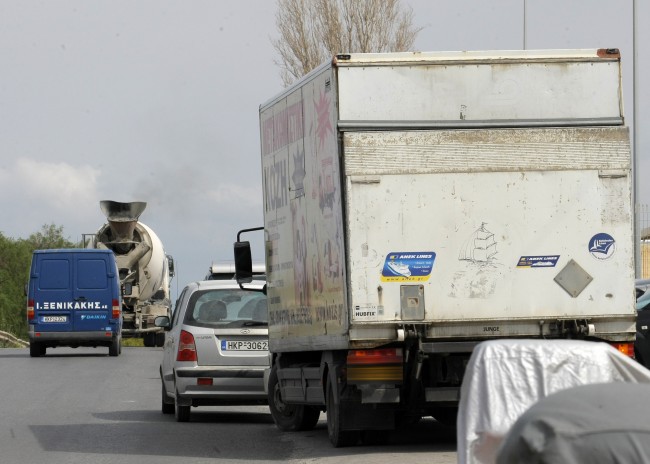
[(229, 345), (55, 319)]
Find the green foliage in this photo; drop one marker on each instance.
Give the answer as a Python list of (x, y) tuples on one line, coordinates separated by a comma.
[(15, 259)]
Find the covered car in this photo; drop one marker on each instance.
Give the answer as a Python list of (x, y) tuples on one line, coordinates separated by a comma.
[(504, 378), (598, 423)]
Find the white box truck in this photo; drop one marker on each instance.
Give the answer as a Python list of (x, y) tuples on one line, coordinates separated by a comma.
[(416, 204)]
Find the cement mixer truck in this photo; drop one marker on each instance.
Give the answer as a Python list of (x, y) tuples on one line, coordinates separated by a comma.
[(145, 270)]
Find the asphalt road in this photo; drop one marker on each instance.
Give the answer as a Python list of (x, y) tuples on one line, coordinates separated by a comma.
[(82, 406)]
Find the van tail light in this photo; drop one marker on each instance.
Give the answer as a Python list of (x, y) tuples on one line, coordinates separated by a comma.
[(30, 310), (116, 309), (186, 347), (627, 348)]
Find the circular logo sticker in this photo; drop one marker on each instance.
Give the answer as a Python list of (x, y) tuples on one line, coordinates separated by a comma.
[(602, 246)]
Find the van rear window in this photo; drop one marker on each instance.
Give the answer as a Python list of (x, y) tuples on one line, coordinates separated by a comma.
[(54, 274), (92, 274)]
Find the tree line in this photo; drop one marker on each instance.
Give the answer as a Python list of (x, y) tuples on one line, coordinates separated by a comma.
[(15, 260)]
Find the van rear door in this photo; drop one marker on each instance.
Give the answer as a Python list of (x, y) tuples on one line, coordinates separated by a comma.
[(92, 292), (52, 292)]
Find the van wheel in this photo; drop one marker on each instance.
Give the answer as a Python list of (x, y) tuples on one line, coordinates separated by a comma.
[(149, 340), (167, 402), (36, 349), (115, 348), (338, 437), (289, 417)]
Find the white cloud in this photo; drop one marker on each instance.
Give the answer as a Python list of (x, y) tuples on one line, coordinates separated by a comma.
[(59, 185), (33, 193)]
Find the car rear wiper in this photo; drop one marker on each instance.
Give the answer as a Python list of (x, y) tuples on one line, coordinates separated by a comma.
[(253, 323)]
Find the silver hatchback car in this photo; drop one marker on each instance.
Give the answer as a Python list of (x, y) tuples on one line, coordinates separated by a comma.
[(216, 347)]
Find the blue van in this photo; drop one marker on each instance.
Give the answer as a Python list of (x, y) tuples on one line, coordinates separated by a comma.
[(74, 299)]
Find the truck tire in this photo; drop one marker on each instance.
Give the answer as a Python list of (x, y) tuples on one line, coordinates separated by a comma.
[(160, 338), (149, 340), (36, 349), (167, 402), (115, 348), (338, 437), (445, 415), (289, 417)]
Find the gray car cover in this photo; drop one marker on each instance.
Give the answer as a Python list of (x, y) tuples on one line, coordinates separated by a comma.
[(504, 378), (595, 424)]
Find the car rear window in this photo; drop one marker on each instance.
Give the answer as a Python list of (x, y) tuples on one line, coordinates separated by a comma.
[(227, 307)]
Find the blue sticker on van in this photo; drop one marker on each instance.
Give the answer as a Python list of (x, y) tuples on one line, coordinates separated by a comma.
[(408, 267), (602, 246)]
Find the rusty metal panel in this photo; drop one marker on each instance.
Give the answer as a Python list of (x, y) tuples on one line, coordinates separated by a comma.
[(474, 150)]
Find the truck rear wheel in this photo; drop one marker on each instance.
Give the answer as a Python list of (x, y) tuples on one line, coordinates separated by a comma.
[(149, 339), (338, 437), (160, 338), (289, 417)]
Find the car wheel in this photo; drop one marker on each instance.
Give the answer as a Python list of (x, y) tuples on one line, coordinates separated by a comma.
[(289, 417), (182, 412), (36, 349), (167, 402), (338, 437)]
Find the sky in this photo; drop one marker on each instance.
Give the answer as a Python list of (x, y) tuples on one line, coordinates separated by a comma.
[(157, 101)]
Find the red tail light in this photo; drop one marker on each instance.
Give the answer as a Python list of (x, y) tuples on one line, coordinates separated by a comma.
[(116, 309), (186, 347), (381, 356), (30, 310), (627, 348)]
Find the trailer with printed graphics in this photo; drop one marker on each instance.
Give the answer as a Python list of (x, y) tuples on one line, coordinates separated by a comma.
[(416, 204)]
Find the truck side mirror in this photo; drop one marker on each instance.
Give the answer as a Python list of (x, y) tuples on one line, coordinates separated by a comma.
[(243, 262), (128, 288), (170, 264)]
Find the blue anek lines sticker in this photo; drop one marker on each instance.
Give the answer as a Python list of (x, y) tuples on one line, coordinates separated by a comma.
[(538, 261), (602, 246), (412, 266)]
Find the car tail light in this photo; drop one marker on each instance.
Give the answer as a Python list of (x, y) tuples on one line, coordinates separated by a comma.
[(204, 381), (382, 366), (116, 309), (30, 310), (186, 347), (627, 348)]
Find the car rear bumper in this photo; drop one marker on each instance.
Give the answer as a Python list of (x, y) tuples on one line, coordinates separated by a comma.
[(236, 385)]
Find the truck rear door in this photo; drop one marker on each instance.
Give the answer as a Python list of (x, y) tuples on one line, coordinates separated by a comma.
[(490, 224)]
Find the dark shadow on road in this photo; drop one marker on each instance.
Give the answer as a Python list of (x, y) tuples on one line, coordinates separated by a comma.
[(230, 435)]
